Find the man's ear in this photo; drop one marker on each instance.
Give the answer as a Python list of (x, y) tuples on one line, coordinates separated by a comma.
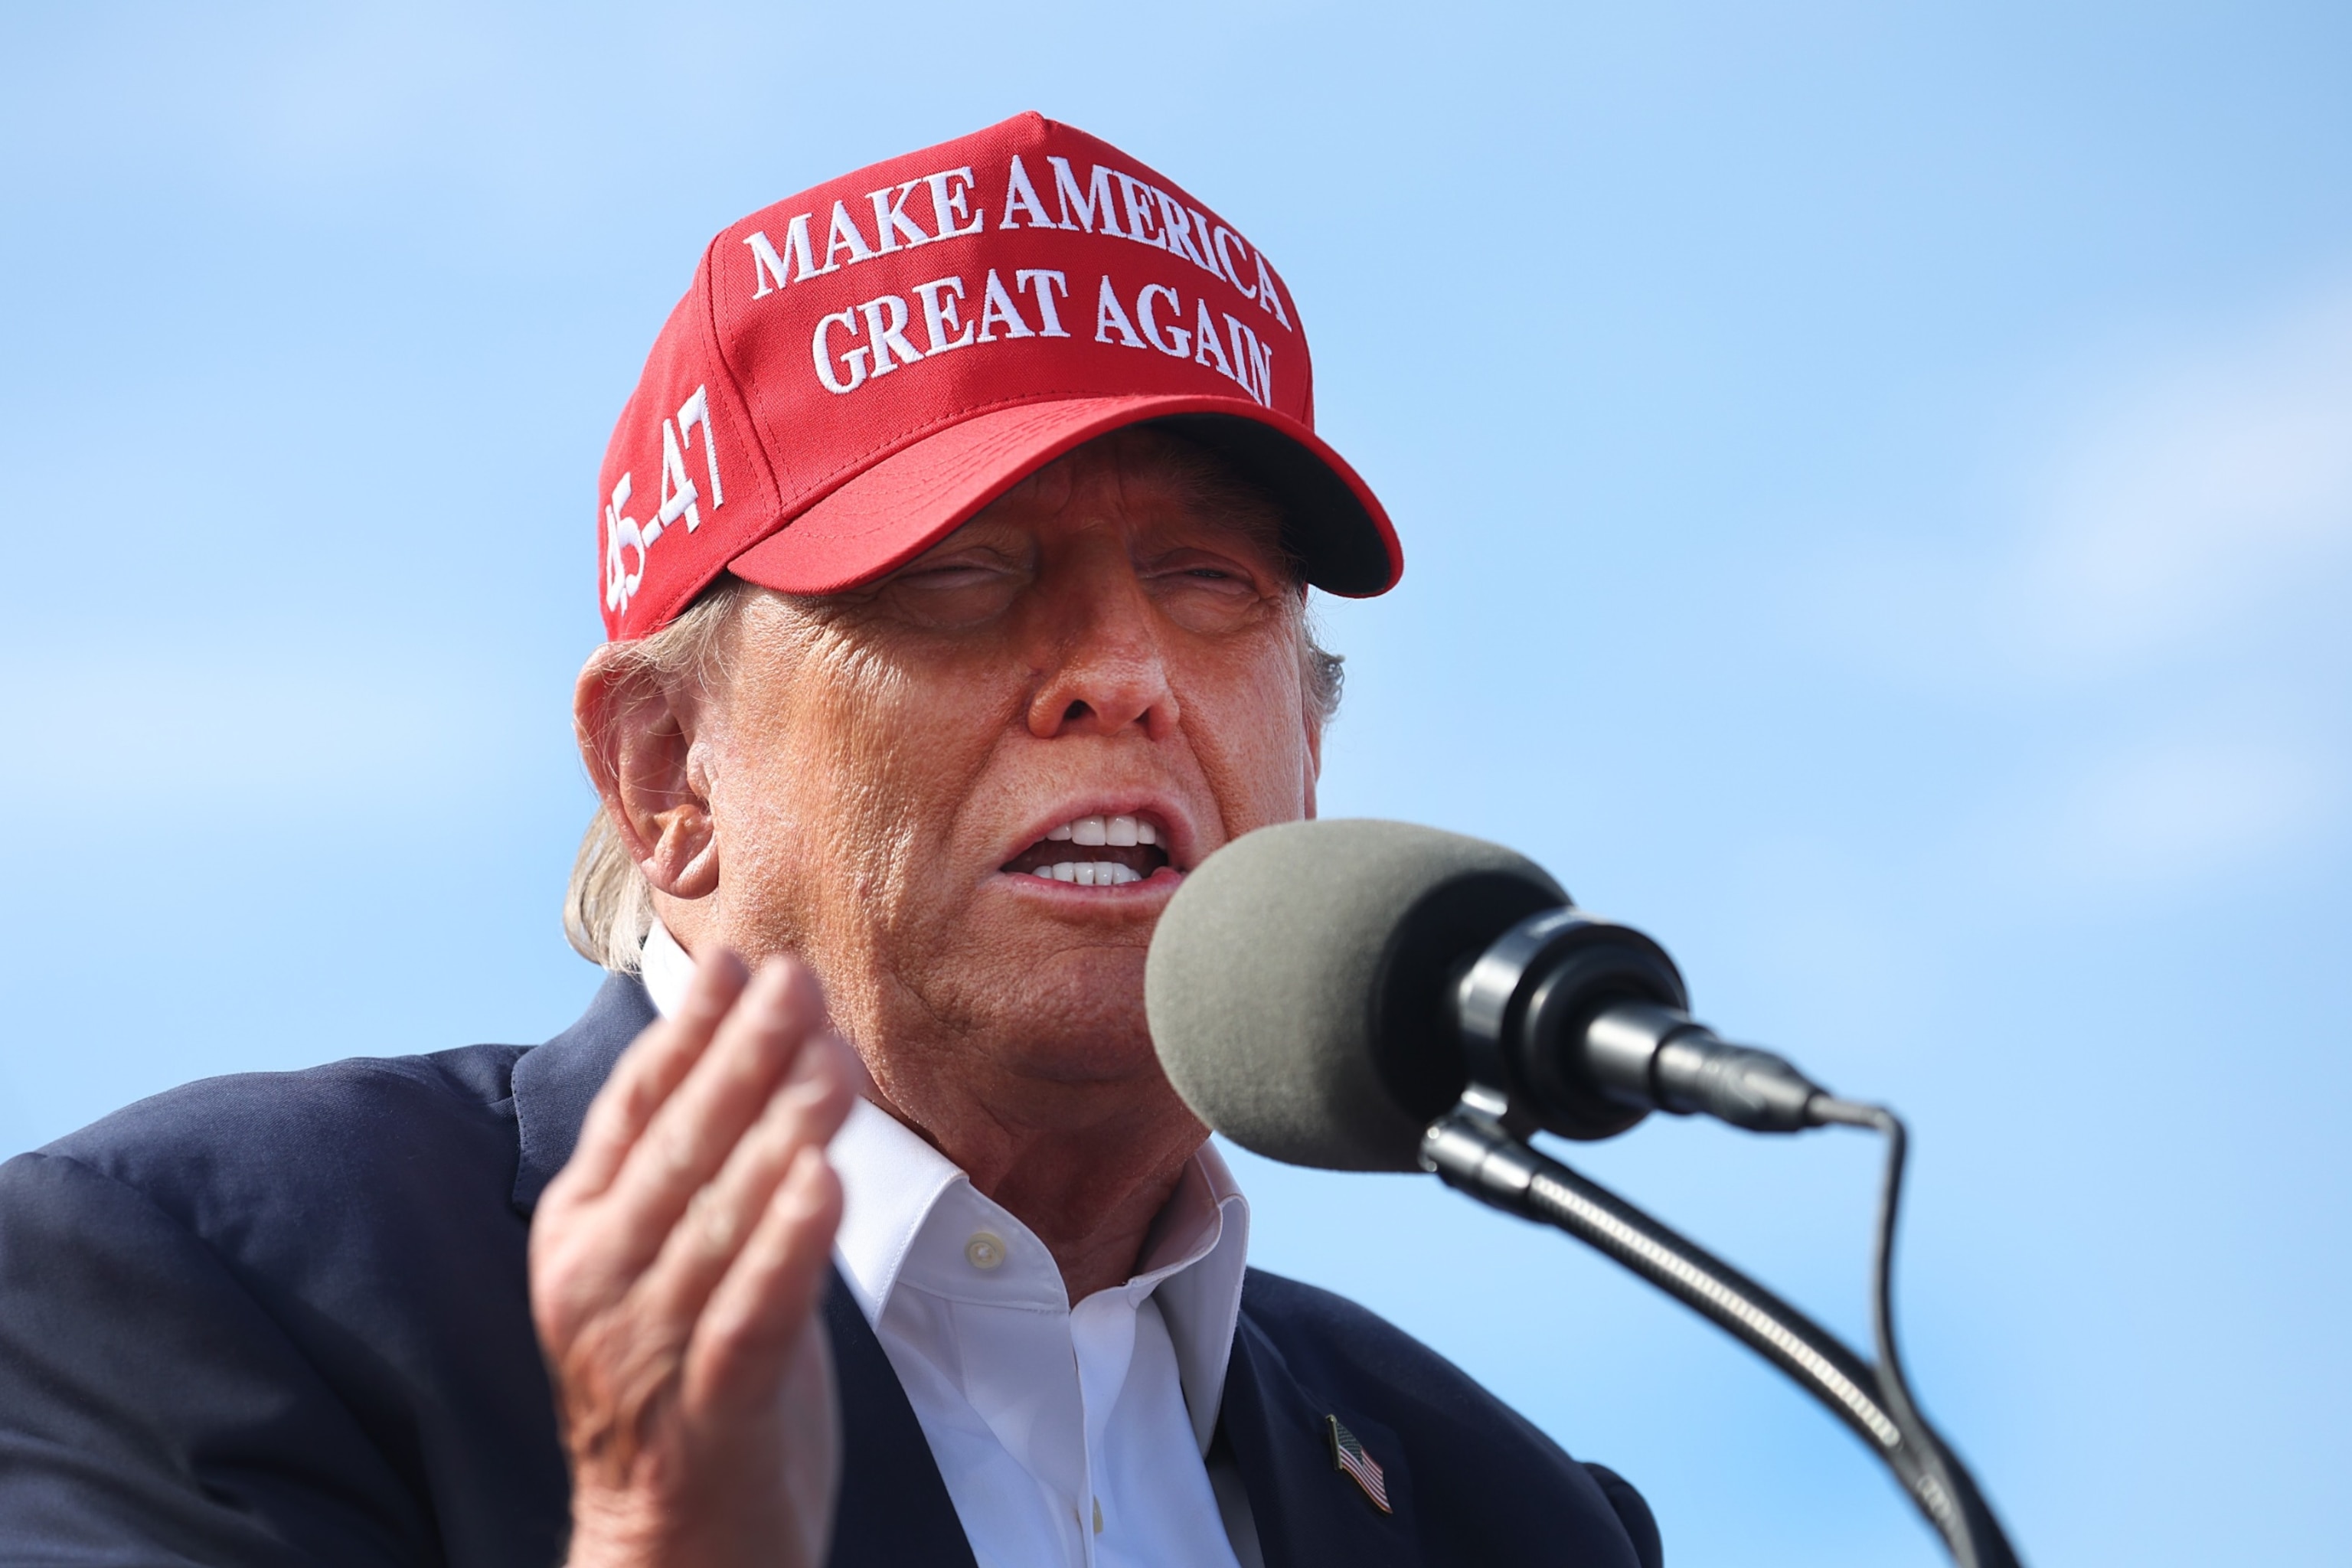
[(636, 737)]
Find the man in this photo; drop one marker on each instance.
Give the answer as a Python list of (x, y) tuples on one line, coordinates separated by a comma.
[(954, 548)]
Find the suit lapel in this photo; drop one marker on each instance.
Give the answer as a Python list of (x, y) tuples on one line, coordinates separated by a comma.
[(1309, 1511), (893, 1508), (554, 1082)]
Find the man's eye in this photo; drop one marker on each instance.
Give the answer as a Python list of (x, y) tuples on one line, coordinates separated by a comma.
[(1205, 576), (954, 594), (1206, 597)]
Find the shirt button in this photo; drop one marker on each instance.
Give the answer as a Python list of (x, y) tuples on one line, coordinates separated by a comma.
[(985, 1250)]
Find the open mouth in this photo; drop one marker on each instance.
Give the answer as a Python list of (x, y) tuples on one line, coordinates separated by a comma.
[(1096, 852)]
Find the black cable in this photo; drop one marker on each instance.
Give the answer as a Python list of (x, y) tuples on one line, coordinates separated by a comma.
[(1958, 1510), (1470, 1150), (1935, 1493)]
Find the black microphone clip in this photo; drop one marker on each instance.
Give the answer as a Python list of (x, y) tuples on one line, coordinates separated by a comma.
[(1577, 1025)]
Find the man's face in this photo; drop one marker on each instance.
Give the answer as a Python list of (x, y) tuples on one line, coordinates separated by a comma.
[(1115, 640)]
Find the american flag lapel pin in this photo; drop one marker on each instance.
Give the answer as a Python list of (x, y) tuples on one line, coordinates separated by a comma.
[(1348, 1454)]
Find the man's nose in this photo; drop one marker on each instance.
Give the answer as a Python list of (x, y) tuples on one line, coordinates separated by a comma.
[(1103, 669)]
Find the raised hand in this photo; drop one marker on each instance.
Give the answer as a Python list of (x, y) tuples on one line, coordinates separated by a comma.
[(676, 1266)]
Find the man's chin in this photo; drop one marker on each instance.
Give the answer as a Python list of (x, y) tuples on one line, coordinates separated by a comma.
[(1070, 1015)]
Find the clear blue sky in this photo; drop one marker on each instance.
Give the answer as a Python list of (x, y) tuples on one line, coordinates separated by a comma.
[(1877, 483)]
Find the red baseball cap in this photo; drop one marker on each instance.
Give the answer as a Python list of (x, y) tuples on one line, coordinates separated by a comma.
[(860, 368)]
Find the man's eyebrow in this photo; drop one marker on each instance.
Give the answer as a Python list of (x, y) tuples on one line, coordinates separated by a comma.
[(976, 533), (1213, 487), (959, 547), (1241, 516)]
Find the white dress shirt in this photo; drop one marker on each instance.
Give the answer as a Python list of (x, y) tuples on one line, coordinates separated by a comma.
[(1066, 1434)]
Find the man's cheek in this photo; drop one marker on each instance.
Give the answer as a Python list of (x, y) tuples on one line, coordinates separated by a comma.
[(1259, 748)]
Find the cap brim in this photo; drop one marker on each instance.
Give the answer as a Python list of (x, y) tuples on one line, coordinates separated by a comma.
[(908, 501)]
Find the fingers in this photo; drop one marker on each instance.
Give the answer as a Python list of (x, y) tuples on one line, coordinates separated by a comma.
[(754, 1320), (648, 1072), (674, 1284), (696, 1129), (801, 1116)]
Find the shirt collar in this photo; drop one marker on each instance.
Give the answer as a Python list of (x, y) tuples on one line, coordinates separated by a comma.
[(666, 969), (898, 1191)]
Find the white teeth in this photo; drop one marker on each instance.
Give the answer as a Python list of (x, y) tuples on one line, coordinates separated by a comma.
[(1119, 831), (1112, 831), (1088, 873)]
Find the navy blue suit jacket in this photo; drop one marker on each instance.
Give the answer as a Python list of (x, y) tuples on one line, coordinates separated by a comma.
[(283, 1319)]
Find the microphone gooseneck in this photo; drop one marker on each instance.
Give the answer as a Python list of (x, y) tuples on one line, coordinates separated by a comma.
[(1379, 996)]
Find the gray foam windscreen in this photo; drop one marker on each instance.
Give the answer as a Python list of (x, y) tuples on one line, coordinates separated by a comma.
[(1294, 983)]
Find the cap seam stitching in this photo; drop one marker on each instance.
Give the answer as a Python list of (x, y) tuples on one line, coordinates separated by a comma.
[(718, 353)]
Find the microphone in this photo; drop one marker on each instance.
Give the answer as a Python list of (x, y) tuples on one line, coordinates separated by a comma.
[(1378, 997), (1321, 991)]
